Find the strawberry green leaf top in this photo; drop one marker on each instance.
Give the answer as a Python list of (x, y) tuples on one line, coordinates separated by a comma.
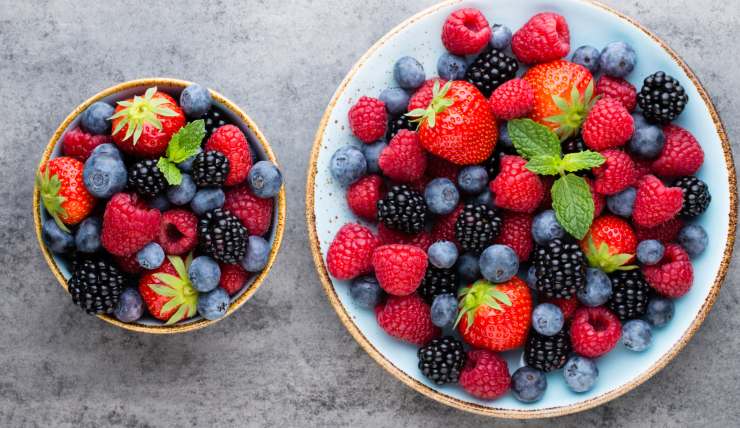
[(480, 294), (179, 289), (573, 204), (602, 258), (573, 112), (50, 187), (439, 103), (183, 145), (139, 112)]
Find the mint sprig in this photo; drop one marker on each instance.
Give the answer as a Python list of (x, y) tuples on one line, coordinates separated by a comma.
[(183, 145)]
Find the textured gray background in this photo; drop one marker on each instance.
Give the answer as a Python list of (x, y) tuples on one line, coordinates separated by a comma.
[(284, 359)]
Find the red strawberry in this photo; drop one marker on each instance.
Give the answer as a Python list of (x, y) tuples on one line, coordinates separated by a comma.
[(79, 144), (351, 252), (388, 236), (608, 125), (466, 32), (665, 232), (568, 306), (594, 331), (515, 187), (655, 203), (407, 318), (167, 292), (485, 375), (516, 232), (128, 224), (423, 96), (444, 227), (610, 243), (178, 232), (615, 174), (674, 275), (231, 141), (403, 160), (144, 125), (63, 191), (619, 89), (495, 316), (255, 213), (438, 167), (545, 37), (368, 120), (681, 156), (363, 196), (458, 125), (512, 100), (399, 268), (233, 278)]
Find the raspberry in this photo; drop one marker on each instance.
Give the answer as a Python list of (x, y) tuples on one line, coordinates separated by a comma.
[(368, 120), (438, 167), (545, 37), (403, 160), (485, 375), (423, 96), (128, 224), (615, 174), (444, 228), (515, 187), (674, 275), (642, 168), (399, 268), (363, 197), (655, 203), (608, 125), (231, 141), (516, 232), (594, 331), (255, 213), (407, 318), (178, 232), (619, 89), (233, 278), (128, 264), (568, 306), (388, 236), (350, 253), (599, 199), (665, 232), (682, 155), (79, 144), (512, 100), (466, 32)]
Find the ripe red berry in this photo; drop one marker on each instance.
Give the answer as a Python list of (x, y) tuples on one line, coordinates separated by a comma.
[(681, 156), (545, 37), (674, 275), (599, 199), (466, 32), (666, 232), (619, 89), (363, 197), (399, 268), (485, 375), (438, 167), (407, 318), (387, 236), (403, 160), (516, 232), (512, 100), (607, 125), (568, 306), (615, 174), (594, 331), (515, 187), (128, 264), (233, 278), (350, 253), (232, 142), (178, 232), (255, 213), (128, 224), (655, 203), (368, 120), (423, 96), (79, 144)]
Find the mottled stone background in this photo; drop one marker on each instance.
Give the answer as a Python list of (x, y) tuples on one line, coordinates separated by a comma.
[(284, 359)]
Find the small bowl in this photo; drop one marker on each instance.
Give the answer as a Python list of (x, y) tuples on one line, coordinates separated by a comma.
[(260, 147)]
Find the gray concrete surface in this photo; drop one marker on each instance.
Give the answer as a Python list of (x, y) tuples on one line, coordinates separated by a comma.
[(284, 359)]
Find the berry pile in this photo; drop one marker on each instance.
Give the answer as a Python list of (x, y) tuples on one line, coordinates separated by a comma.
[(484, 172), (159, 207)]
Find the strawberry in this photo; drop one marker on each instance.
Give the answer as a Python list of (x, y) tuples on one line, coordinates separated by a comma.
[(466, 32), (495, 316), (619, 89), (610, 244), (545, 37), (458, 125), (128, 224), (255, 213), (351, 252), (674, 275), (407, 318), (516, 232), (681, 156), (79, 144), (608, 125), (387, 236), (231, 141), (485, 375), (594, 331), (167, 292), (515, 187), (63, 192), (368, 120), (615, 174), (512, 100), (144, 125), (423, 96), (655, 203), (403, 160), (399, 268), (363, 196), (665, 232)]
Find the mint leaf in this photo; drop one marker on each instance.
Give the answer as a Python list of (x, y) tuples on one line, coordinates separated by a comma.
[(573, 162), (573, 204), (171, 172), (544, 165), (186, 142), (532, 139)]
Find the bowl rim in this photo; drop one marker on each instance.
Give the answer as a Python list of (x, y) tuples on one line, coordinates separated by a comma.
[(429, 392), (164, 82)]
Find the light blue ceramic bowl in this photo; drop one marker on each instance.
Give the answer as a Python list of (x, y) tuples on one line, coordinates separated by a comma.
[(590, 23)]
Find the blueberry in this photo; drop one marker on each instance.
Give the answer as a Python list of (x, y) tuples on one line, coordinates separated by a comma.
[(451, 67), (617, 59), (441, 196), (265, 179), (467, 267), (659, 311), (484, 198), (195, 101), (187, 164), (598, 288), (258, 251), (640, 120), (545, 227), (348, 165), (547, 319), (56, 239), (372, 154), (95, 118), (151, 256), (500, 37), (443, 254), (182, 193), (204, 273), (637, 335), (160, 202), (650, 252), (528, 385), (207, 199), (444, 310), (409, 73), (503, 137), (499, 263), (104, 175), (580, 373), (472, 179), (532, 278), (623, 202), (130, 306), (87, 237), (693, 238), (214, 304), (647, 141), (365, 291), (587, 56), (396, 100)]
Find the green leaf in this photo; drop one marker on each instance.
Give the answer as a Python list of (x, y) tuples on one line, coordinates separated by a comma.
[(573, 162), (544, 165), (179, 266), (532, 139), (171, 172), (573, 204), (170, 280), (180, 314), (162, 290), (186, 142)]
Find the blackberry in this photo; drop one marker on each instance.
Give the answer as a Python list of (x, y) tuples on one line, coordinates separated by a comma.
[(438, 281), (222, 236), (210, 169), (630, 294), (560, 269), (547, 353), (95, 285), (574, 145), (477, 227), (396, 124), (490, 70), (215, 118), (146, 179), (403, 209), (442, 360), (696, 196), (662, 98)]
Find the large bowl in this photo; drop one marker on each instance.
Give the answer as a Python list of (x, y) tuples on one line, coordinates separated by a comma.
[(260, 147), (590, 23)]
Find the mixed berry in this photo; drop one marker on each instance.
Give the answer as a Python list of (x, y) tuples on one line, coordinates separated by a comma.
[(159, 206), (518, 164)]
